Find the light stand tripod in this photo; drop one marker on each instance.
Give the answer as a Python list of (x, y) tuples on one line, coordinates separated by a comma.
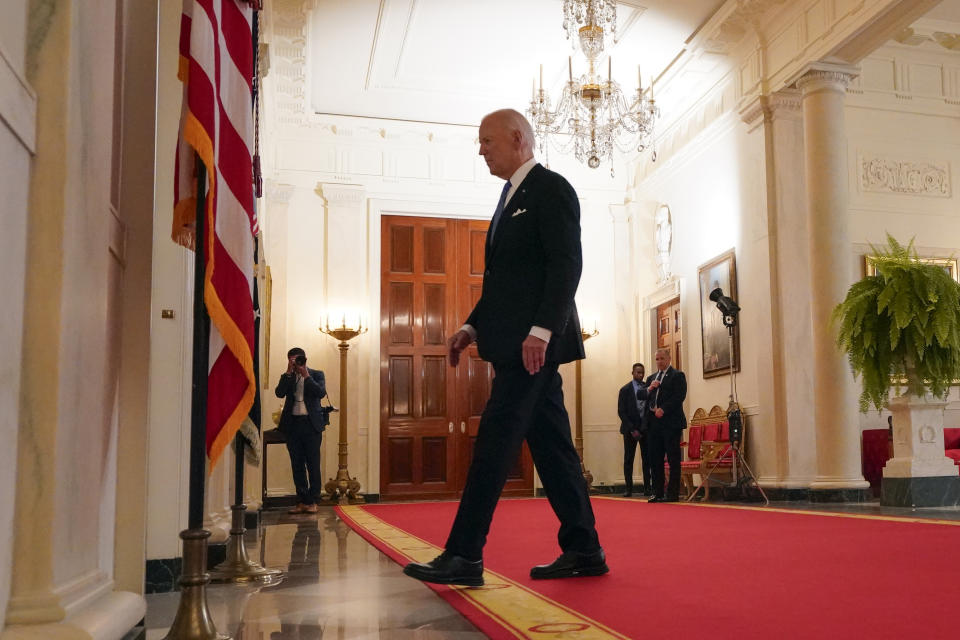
[(741, 473)]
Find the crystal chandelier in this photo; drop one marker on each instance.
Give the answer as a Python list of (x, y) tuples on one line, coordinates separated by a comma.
[(593, 115)]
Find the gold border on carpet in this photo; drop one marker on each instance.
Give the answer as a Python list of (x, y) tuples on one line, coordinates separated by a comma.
[(521, 611), (806, 512)]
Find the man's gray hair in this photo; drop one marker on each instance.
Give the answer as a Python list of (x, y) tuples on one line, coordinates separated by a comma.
[(513, 120)]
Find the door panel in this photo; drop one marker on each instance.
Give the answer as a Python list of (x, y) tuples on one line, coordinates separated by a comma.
[(670, 331), (431, 277)]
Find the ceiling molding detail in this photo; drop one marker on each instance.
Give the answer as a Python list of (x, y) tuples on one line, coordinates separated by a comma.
[(376, 41)]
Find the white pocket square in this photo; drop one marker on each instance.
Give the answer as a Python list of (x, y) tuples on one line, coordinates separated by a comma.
[(518, 212)]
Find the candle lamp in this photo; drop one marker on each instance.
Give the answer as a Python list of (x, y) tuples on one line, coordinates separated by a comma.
[(343, 488), (578, 436)]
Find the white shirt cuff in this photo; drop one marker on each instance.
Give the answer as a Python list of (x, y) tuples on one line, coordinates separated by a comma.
[(540, 332), (470, 331)]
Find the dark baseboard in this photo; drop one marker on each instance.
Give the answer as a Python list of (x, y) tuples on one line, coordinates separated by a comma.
[(840, 495), (162, 575), (251, 519), (750, 494), (139, 632), (937, 491)]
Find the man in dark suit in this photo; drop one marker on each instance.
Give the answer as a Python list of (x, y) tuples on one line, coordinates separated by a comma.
[(525, 323), (631, 406), (666, 391), (302, 423)]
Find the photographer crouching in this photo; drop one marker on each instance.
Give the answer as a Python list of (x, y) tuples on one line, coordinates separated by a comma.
[(302, 423)]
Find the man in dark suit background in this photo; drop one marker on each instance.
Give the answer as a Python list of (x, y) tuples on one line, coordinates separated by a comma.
[(631, 406), (302, 424), (666, 391), (525, 323)]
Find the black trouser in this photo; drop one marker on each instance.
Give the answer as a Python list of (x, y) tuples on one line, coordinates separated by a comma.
[(521, 407), (664, 441), (303, 445), (629, 455)]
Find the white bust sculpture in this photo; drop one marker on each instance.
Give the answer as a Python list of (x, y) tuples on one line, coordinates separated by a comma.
[(663, 235)]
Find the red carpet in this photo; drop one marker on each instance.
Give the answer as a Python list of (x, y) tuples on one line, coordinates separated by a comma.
[(681, 571)]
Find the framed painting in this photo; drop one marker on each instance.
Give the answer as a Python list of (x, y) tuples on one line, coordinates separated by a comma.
[(717, 353), (948, 264)]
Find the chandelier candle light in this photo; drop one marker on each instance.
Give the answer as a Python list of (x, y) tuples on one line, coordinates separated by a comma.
[(593, 113), (343, 488)]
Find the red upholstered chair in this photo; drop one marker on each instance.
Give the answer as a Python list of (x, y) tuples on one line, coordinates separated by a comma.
[(694, 460), (951, 444), (725, 437), (704, 444), (711, 432), (874, 454)]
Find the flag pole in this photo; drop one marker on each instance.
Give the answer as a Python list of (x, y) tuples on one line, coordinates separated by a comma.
[(193, 621)]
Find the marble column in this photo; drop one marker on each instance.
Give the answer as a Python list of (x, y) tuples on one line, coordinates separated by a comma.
[(823, 91), (784, 438)]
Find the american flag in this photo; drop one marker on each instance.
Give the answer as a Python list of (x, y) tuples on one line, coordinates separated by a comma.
[(216, 126)]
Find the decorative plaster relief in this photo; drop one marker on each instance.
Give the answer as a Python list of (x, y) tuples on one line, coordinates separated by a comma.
[(288, 57), (887, 175)]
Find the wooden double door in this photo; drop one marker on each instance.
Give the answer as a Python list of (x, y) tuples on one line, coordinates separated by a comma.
[(431, 275)]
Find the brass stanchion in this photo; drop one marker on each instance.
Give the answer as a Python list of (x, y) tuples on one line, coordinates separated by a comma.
[(578, 439), (238, 567), (343, 489), (193, 620)]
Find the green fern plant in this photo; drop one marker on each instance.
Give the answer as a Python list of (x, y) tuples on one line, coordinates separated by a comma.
[(901, 326)]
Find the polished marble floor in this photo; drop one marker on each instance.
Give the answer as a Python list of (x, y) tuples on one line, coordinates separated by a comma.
[(339, 586)]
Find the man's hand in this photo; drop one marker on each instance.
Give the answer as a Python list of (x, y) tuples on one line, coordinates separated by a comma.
[(534, 353), (658, 412), (456, 344), (302, 370), (291, 365), (653, 385)]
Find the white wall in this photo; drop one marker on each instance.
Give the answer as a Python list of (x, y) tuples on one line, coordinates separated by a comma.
[(17, 139), (714, 189), (902, 114), (330, 183)]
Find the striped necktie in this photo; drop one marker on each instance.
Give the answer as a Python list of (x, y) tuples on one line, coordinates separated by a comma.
[(499, 211), (656, 395)]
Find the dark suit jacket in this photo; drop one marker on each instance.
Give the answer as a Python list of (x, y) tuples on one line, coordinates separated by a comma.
[(532, 271), (630, 417), (673, 391), (314, 389)]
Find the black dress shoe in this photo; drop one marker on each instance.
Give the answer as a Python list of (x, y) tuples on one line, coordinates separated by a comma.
[(447, 568), (572, 565), (627, 493), (671, 499)]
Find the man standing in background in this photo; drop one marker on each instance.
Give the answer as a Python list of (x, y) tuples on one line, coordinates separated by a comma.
[(631, 406), (666, 391), (302, 424)]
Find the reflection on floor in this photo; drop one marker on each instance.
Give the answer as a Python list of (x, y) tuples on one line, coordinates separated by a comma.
[(339, 586)]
